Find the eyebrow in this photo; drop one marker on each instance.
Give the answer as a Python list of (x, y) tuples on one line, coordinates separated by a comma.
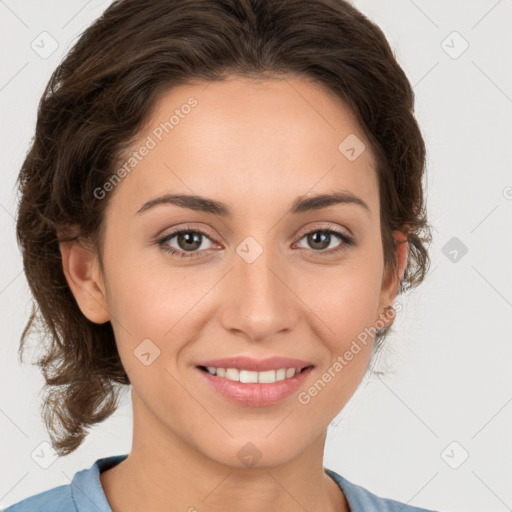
[(300, 205)]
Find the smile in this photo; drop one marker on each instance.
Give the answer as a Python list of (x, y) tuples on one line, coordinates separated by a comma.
[(254, 388), (253, 377)]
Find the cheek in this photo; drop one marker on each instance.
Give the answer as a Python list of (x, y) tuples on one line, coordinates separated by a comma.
[(346, 330), (141, 303), (345, 298), (149, 309), (345, 304), (152, 300)]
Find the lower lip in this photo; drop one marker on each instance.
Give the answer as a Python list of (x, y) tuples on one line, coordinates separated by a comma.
[(255, 394)]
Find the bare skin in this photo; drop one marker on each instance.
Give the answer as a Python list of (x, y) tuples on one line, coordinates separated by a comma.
[(255, 146)]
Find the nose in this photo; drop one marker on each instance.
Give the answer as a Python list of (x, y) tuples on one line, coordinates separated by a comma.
[(260, 302)]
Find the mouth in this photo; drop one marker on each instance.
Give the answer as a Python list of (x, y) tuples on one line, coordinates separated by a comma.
[(252, 377), (245, 376), (254, 388)]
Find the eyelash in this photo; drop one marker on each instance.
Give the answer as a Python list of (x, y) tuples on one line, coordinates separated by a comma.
[(163, 242)]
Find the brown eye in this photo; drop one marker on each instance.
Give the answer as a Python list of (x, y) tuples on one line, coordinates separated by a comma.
[(322, 239), (186, 241), (319, 240)]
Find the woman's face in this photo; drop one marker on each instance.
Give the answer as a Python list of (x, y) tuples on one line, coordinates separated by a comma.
[(263, 278)]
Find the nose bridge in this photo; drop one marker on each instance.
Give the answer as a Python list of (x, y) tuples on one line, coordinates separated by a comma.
[(259, 303)]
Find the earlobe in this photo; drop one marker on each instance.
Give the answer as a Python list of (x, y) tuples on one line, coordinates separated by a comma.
[(81, 268)]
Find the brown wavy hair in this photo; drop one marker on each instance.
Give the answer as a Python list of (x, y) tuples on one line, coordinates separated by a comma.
[(100, 96)]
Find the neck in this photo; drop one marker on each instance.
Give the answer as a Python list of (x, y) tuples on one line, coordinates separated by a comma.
[(163, 473)]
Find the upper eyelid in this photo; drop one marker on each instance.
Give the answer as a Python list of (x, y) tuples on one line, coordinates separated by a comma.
[(325, 227), (185, 229)]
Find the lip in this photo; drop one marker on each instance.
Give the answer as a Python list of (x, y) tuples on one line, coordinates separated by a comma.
[(256, 365), (255, 394)]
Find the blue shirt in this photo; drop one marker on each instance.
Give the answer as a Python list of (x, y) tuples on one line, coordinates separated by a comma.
[(85, 494)]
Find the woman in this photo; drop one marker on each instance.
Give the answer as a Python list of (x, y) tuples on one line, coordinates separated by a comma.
[(221, 203)]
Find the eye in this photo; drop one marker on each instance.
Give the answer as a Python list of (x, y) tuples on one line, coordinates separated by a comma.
[(323, 237), (187, 241)]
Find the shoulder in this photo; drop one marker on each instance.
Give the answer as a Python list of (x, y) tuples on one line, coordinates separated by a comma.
[(58, 499), (84, 491), (363, 500)]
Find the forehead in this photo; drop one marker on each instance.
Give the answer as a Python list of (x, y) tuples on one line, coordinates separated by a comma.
[(243, 140)]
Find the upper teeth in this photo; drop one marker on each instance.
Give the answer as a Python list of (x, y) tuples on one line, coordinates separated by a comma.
[(247, 376)]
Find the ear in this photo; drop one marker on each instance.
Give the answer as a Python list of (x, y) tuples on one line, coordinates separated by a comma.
[(391, 280), (83, 273)]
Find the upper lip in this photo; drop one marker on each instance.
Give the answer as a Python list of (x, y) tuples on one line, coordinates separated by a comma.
[(256, 365)]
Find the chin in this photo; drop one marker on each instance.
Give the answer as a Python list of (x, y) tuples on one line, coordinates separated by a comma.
[(257, 451)]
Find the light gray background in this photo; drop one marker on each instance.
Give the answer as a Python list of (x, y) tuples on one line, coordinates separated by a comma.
[(449, 374)]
